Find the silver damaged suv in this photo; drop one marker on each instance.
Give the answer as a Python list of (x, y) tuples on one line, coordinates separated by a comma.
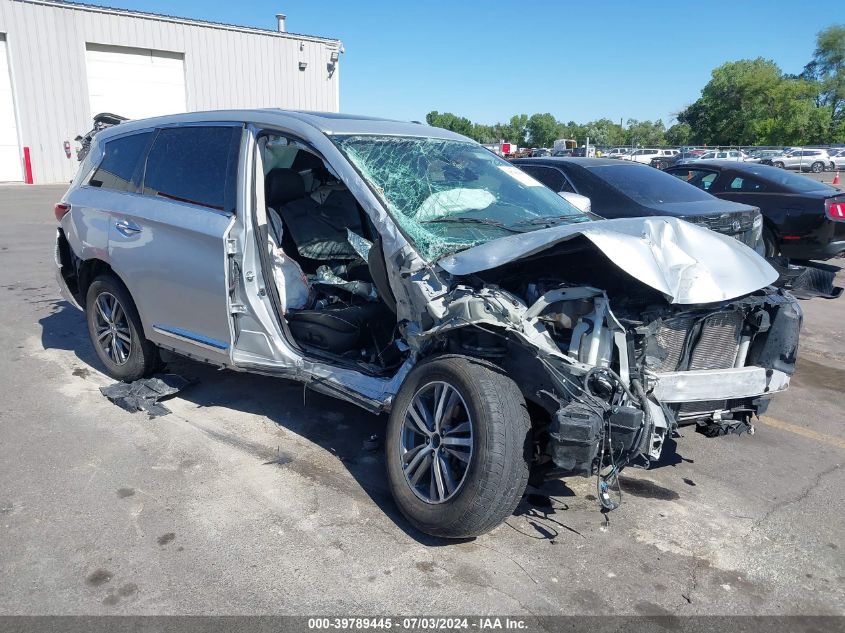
[(407, 269)]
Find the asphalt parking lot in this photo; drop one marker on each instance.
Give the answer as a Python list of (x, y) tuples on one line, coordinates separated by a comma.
[(255, 497)]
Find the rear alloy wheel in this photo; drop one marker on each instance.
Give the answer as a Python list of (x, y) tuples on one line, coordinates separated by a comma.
[(115, 330), (778, 164), (458, 447), (114, 337), (817, 167)]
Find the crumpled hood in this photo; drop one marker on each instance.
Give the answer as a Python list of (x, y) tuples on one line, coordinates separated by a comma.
[(687, 263)]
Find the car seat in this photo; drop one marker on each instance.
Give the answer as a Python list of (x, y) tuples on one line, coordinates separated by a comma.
[(340, 327)]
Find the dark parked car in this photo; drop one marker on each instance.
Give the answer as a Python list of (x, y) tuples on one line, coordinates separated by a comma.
[(804, 219), (665, 162), (624, 189)]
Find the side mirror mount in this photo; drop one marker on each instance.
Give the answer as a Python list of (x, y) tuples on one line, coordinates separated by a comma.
[(582, 203)]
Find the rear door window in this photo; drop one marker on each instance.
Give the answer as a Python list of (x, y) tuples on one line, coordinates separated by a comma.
[(194, 164), (121, 158), (701, 178), (551, 177), (747, 185)]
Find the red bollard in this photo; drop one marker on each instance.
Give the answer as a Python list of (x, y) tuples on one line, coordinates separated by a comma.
[(27, 164)]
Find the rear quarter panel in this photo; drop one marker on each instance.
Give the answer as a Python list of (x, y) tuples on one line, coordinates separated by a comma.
[(87, 225)]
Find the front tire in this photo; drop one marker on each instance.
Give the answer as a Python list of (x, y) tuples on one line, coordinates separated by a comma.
[(778, 164), (115, 330), (458, 447)]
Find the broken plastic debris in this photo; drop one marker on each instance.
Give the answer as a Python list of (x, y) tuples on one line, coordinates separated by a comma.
[(812, 279), (145, 394)]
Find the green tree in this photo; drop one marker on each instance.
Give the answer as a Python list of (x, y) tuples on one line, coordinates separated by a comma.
[(828, 68), (679, 134), (571, 130), (515, 130), (542, 130), (737, 96), (483, 133), (645, 132), (449, 121), (751, 102), (601, 132)]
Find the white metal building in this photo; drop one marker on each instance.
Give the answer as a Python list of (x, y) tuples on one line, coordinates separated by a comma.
[(62, 62)]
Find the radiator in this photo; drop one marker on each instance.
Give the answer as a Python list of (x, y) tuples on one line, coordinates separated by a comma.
[(716, 348)]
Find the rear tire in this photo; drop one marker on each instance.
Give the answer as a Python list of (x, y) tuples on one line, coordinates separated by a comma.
[(778, 164), (115, 330), (817, 167), (491, 475)]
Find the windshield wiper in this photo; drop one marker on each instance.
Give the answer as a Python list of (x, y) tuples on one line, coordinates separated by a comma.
[(498, 225), (554, 219)]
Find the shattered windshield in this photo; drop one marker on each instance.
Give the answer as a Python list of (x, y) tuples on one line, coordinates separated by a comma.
[(448, 195)]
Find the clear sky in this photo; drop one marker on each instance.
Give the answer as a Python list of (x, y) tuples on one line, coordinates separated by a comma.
[(488, 60)]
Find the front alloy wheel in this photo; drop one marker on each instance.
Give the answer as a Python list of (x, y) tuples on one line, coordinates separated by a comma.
[(112, 328), (436, 442), (458, 446)]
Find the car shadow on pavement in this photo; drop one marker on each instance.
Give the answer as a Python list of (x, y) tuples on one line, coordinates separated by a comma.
[(65, 328)]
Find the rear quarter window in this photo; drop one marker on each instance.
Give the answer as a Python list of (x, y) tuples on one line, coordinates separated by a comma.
[(196, 165), (120, 161)]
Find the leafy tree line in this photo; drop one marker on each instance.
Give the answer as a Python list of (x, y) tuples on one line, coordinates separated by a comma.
[(746, 102), (541, 130)]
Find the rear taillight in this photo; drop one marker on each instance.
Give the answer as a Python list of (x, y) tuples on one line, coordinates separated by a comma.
[(61, 210), (836, 210)]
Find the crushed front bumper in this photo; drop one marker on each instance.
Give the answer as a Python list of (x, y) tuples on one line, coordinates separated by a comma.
[(718, 384)]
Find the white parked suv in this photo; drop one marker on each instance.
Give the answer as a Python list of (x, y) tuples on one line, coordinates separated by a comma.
[(729, 155), (645, 154), (814, 160)]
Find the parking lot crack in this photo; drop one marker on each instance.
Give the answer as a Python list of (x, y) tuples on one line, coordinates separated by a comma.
[(692, 583), (525, 571), (778, 507)]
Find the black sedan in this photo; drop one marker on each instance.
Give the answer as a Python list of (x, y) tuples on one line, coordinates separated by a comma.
[(803, 218), (624, 189), (665, 162)]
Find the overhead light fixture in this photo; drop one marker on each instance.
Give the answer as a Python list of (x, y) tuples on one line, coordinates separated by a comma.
[(335, 56)]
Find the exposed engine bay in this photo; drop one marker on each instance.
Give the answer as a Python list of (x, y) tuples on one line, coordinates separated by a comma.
[(610, 366)]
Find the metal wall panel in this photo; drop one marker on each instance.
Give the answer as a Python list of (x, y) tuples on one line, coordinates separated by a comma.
[(225, 67)]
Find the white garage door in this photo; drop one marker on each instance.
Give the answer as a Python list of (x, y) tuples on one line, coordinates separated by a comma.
[(11, 168), (134, 82)]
